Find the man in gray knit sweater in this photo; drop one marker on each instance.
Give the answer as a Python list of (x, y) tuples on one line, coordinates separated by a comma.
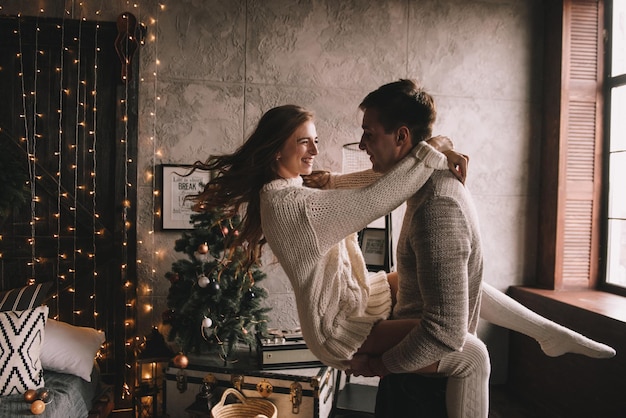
[(440, 279), (439, 262)]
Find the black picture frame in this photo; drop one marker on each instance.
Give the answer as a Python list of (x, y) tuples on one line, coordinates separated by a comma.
[(176, 186), (376, 246)]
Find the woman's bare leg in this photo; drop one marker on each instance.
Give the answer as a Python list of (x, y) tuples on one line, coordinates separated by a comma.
[(386, 334)]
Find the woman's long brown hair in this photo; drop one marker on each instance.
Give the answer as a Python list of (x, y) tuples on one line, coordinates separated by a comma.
[(240, 176)]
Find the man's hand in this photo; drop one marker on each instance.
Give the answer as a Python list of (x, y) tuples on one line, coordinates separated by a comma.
[(368, 366), (458, 164)]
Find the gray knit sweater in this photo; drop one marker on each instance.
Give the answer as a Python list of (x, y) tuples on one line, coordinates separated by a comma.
[(337, 300), (440, 269)]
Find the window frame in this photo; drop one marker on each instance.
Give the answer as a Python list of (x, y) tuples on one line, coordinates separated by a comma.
[(576, 93), (609, 84)]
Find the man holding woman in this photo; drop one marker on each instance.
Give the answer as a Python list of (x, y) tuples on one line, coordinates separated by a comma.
[(341, 306)]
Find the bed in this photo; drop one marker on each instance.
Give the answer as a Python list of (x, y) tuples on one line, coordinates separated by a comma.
[(39, 352), (71, 397)]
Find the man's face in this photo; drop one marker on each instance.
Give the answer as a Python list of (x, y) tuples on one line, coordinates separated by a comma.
[(383, 148)]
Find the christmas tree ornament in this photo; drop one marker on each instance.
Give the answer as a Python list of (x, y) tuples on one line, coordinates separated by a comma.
[(203, 281), (181, 361), (30, 395), (225, 230), (37, 407), (44, 395), (249, 296), (205, 332), (207, 322), (203, 248), (214, 287)]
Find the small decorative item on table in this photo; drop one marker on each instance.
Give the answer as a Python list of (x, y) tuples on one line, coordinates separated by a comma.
[(151, 361), (205, 400)]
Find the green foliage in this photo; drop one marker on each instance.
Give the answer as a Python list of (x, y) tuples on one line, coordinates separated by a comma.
[(231, 298), (14, 191)]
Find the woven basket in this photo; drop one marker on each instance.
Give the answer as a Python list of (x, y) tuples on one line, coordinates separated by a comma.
[(248, 408)]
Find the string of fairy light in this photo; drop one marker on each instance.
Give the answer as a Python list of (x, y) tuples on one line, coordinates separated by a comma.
[(32, 136), (65, 264), (31, 116), (94, 172), (151, 173), (59, 155), (29, 147), (77, 148), (126, 392)]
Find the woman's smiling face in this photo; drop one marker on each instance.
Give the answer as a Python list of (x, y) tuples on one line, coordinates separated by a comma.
[(297, 154)]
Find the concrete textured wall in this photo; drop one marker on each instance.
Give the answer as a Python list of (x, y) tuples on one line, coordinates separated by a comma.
[(223, 63)]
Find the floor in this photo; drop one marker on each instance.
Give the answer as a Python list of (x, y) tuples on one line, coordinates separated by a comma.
[(503, 405)]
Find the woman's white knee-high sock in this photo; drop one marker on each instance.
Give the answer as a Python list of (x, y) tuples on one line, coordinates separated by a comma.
[(554, 339), (467, 392)]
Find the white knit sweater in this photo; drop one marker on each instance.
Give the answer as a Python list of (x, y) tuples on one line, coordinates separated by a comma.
[(312, 233)]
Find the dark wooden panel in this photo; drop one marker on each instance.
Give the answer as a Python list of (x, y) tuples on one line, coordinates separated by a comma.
[(569, 386)]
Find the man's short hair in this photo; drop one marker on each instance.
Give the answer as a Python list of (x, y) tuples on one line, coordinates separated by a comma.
[(403, 103)]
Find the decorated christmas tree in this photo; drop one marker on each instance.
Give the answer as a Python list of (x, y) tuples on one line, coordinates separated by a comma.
[(214, 299)]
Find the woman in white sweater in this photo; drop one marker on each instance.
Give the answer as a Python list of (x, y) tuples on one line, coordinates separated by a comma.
[(312, 232)]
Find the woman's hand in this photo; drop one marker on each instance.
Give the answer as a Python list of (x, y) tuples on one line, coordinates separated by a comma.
[(456, 161), (441, 143), (458, 164)]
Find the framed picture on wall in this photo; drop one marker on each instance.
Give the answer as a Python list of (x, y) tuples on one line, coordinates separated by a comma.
[(176, 187), (374, 245)]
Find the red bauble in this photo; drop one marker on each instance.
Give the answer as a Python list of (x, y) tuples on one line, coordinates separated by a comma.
[(203, 248), (180, 360), (225, 230)]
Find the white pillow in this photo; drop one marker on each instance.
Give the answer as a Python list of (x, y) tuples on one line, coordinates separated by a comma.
[(70, 349), (21, 336)]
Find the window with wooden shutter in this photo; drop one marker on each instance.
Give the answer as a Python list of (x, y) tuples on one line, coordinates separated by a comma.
[(572, 146)]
